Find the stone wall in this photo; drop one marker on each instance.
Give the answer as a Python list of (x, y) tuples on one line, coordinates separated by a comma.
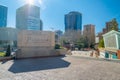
[(35, 44), (28, 52), (36, 38)]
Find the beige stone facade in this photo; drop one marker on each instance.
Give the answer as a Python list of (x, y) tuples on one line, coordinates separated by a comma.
[(36, 39), (72, 35), (35, 44), (89, 33)]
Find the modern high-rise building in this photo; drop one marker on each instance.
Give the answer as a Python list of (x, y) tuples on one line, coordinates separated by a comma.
[(3, 16), (8, 36), (73, 21), (28, 17), (89, 33)]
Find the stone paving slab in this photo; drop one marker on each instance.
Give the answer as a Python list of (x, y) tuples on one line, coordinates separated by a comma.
[(59, 68)]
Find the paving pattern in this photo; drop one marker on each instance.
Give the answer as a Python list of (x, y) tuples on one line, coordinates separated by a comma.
[(60, 68)]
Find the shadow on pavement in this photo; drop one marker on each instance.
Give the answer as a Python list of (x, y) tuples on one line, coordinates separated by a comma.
[(4, 61), (28, 65)]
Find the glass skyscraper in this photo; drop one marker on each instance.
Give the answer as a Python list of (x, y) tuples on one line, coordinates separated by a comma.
[(3, 16), (73, 21), (28, 17)]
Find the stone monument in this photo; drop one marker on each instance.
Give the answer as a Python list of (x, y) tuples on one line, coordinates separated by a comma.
[(35, 44)]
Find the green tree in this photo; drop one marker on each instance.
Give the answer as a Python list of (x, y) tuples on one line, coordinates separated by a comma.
[(114, 24), (8, 52), (101, 43), (57, 46), (92, 45), (86, 45), (79, 44)]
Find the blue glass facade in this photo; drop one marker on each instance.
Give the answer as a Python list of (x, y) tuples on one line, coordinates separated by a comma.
[(3, 16), (28, 17), (73, 21)]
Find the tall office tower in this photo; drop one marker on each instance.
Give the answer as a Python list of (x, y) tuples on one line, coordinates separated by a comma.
[(3, 16), (28, 17), (73, 21), (89, 33)]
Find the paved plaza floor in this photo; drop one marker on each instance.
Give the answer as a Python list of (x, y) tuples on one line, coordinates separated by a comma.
[(60, 68)]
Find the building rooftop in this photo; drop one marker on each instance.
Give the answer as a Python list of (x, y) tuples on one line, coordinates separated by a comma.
[(111, 32)]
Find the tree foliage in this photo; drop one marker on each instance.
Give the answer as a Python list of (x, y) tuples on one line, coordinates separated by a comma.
[(79, 44), (82, 43), (8, 52), (114, 24), (57, 46), (92, 45), (101, 43)]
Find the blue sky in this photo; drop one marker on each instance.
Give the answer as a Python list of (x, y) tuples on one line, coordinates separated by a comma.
[(95, 12)]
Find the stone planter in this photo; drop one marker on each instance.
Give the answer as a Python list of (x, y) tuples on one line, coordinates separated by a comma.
[(61, 51)]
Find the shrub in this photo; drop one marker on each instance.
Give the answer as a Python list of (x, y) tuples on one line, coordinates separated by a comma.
[(8, 51), (57, 46), (2, 54), (101, 43)]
